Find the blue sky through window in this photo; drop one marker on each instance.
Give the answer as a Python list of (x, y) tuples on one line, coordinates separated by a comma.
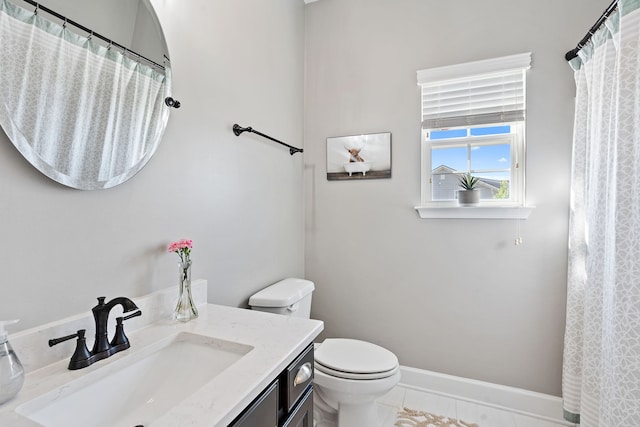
[(448, 134), (453, 157), (435, 135), (491, 130), (491, 157), (490, 161)]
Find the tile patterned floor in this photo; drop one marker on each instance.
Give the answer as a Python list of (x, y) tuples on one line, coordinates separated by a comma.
[(484, 416)]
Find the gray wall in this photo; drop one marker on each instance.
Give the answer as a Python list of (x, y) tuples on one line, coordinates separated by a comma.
[(452, 296), (239, 198)]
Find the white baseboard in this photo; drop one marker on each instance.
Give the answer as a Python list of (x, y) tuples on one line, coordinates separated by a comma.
[(538, 405)]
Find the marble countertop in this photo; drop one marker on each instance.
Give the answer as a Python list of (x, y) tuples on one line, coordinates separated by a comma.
[(276, 342)]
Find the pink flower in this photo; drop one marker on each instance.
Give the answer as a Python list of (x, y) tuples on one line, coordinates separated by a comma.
[(182, 247)]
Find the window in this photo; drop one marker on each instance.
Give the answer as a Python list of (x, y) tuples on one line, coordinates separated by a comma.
[(489, 153), (473, 121)]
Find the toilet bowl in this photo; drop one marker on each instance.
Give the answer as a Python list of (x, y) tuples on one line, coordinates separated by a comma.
[(349, 374)]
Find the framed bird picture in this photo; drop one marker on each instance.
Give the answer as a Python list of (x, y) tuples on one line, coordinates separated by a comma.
[(359, 157)]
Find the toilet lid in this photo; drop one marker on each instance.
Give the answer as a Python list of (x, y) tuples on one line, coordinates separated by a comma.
[(361, 358)]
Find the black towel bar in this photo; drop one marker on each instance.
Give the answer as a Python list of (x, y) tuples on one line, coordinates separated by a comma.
[(237, 129)]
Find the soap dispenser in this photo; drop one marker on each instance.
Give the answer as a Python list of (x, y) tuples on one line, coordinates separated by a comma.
[(11, 370)]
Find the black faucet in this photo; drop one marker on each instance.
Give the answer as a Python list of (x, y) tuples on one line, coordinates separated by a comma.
[(102, 348)]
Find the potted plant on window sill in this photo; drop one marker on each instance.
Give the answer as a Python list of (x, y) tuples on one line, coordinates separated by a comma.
[(469, 195)]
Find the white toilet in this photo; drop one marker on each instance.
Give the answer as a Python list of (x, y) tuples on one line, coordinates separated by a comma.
[(349, 374)]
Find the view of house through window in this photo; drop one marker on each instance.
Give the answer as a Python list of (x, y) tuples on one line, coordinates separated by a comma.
[(484, 152)]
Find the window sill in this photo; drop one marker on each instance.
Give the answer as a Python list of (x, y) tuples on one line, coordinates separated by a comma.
[(475, 212)]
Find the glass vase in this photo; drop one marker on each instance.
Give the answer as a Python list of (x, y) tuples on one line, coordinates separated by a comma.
[(185, 309)]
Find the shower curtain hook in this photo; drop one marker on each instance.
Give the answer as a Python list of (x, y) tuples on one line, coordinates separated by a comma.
[(35, 12), (90, 35), (64, 24)]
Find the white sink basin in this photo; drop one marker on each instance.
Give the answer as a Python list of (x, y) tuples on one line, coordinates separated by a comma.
[(139, 388)]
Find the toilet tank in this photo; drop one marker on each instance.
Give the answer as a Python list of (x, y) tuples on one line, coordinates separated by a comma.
[(291, 297)]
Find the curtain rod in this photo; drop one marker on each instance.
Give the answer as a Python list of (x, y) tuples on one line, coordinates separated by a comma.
[(574, 52), (237, 130), (92, 33)]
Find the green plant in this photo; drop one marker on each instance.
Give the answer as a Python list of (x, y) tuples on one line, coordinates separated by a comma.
[(503, 191), (468, 182)]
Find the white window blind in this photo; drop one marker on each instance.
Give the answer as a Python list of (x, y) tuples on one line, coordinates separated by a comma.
[(475, 93)]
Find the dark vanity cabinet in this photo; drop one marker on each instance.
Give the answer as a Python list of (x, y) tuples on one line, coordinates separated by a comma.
[(287, 401)]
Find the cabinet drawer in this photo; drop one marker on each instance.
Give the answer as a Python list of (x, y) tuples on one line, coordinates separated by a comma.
[(303, 414), (263, 412), (298, 377)]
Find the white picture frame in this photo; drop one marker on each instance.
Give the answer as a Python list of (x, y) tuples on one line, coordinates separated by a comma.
[(366, 156)]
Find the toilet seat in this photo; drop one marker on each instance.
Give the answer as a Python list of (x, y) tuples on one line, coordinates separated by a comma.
[(351, 376), (355, 360)]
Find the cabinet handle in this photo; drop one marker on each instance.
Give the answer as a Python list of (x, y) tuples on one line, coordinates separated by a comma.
[(303, 375)]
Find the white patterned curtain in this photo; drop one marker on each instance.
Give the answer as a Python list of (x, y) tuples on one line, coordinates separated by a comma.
[(601, 372), (85, 115)]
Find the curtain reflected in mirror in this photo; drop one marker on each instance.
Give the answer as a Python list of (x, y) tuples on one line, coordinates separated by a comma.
[(88, 116)]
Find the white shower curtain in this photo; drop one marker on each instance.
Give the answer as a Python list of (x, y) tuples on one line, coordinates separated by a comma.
[(601, 372)]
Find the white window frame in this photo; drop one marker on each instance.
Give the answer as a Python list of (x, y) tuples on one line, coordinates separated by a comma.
[(516, 206), (515, 139)]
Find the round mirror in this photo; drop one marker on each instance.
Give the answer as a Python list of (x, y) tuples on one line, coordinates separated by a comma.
[(83, 86)]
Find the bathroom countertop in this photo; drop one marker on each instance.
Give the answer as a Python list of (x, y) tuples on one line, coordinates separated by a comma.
[(276, 342)]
